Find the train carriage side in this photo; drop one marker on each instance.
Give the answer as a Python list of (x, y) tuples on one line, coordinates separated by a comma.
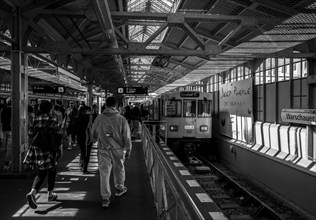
[(189, 122)]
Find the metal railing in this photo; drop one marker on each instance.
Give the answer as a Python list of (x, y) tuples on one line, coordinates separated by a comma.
[(171, 198)]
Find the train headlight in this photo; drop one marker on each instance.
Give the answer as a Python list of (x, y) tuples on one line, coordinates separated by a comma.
[(173, 127), (203, 128)]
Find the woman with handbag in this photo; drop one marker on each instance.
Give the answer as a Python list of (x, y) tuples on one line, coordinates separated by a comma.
[(42, 154)]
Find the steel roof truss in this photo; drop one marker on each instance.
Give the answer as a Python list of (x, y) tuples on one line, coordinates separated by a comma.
[(118, 33), (230, 35), (194, 35), (195, 17), (154, 35)]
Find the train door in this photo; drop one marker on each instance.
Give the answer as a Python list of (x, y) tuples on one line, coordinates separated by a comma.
[(204, 120), (172, 114), (156, 109), (189, 118)]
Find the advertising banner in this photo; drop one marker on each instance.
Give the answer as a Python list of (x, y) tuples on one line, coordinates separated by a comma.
[(236, 98)]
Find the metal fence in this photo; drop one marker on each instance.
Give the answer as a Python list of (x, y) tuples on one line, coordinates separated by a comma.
[(171, 199)]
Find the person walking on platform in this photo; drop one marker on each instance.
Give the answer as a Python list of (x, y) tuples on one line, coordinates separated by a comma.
[(84, 125), (94, 111), (43, 159), (2, 105), (7, 134), (71, 116), (127, 113), (135, 121), (111, 130)]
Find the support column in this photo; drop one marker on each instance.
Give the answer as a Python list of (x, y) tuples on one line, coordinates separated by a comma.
[(24, 106), (311, 97), (89, 95), (15, 93), (98, 103)]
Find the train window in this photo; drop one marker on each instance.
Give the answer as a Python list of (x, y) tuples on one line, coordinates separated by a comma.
[(189, 108), (173, 108), (204, 108)]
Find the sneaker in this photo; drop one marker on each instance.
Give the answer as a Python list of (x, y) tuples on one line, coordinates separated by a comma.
[(30, 198), (121, 191), (85, 172), (105, 203), (52, 197)]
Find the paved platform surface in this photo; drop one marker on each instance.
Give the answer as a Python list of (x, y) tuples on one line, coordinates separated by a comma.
[(79, 194)]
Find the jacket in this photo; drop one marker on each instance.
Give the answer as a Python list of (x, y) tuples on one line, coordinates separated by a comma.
[(6, 118), (111, 130)]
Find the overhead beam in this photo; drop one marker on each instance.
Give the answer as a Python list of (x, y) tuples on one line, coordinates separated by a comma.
[(154, 35), (230, 35), (275, 6), (153, 52), (194, 17), (114, 51), (194, 35), (104, 17), (148, 84)]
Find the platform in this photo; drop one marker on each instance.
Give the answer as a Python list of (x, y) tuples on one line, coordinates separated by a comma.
[(79, 195)]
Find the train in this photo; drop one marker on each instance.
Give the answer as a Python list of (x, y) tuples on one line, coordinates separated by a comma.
[(188, 117)]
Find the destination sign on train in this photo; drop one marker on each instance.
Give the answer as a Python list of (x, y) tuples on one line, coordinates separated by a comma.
[(189, 94), (49, 89), (132, 90)]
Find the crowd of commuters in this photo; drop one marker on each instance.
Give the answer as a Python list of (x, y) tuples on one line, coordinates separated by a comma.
[(112, 130), (134, 115), (73, 124)]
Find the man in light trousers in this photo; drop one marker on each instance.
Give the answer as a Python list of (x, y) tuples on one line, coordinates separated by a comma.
[(111, 130)]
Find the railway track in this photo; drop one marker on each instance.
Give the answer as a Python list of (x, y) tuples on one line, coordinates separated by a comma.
[(235, 195)]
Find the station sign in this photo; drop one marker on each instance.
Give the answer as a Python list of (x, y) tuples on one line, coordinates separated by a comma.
[(299, 116), (49, 89), (132, 90)]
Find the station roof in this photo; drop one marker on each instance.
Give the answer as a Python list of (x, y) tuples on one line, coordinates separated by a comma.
[(160, 44)]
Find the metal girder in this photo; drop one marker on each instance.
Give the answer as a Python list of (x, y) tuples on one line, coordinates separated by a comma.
[(139, 51), (154, 35), (145, 22), (148, 84), (275, 6), (145, 52), (195, 17), (104, 17), (6, 38), (229, 35), (122, 36), (194, 35), (63, 12)]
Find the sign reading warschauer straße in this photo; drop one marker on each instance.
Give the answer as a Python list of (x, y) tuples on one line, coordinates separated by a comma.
[(299, 116)]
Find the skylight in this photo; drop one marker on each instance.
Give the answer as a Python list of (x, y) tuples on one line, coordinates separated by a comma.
[(143, 30)]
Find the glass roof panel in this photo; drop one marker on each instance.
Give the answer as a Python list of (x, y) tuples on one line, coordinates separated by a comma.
[(144, 29)]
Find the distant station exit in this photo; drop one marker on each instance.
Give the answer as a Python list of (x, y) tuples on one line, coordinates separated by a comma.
[(132, 90)]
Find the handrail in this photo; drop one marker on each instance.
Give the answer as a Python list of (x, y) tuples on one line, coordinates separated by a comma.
[(172, 198)]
